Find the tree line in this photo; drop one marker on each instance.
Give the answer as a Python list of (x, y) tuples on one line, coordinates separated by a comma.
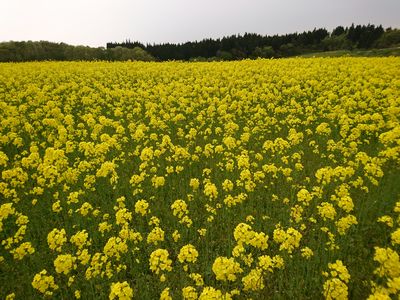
[(249, 45), (44, 50)]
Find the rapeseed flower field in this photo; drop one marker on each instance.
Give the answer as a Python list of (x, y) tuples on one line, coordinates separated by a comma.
[(265, 179)]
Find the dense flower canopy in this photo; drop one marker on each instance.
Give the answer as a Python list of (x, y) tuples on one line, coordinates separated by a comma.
[(251, 179)]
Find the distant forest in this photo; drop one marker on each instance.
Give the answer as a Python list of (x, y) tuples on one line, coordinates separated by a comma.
[(235, 47), (251, 45)]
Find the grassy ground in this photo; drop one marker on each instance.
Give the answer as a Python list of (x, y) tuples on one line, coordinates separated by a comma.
[(356, 53)]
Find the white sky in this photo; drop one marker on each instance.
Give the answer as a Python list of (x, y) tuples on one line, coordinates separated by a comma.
[(96, 22)]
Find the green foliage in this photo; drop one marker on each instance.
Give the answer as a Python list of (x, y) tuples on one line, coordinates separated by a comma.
[(123, 54), (389, 39), (264, 52), (39, 51), (224, 55), (356, 53), (336, 42), (251, 45), (234, 47)]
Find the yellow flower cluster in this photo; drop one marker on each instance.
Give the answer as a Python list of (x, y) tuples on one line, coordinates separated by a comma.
[(160, 262), (188, 253), (80, 239), (210, 190), (225, 269), (22, 250), (165, 294), (209, 293), (253, 281), (288, 240), (56, 239), (142, 207), (180, 209), (335, 287), (9, 240), (244, 234), (387, 283), (115, 246), (64, 263), (44, 283), (155, 236), (123, 216), (121, 291), (235, 180)]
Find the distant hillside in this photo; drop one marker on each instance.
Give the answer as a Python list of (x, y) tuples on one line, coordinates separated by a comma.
[(365, 53), (354, 40), (251, 45), (43, 50)]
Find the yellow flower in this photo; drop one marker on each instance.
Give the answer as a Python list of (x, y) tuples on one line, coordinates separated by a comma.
[(123, 216), (389, 262), (158, 181), (288, 240), (202, 231), (266, 263), (155, 236), (395, 236), (141, 207), (227, 185), (188, 253), (83, 256), (44, 283), (243, 233), (85, 209), (159, 261), (197, 278), (22, 250), (210, 293), (339, 270), (326, 211), (323, 129), (121, 291), (304, 197), (194, 183), (179, 208), (106, 169), (165, 294), (3, 159), (115, 246), (306, 252), (80, 239), (335, 289), (154, 221), (12, 296), (147, 154), (104, 226), (253, 281), (210, 190), (189, 293), (56, 207), (343, 224), (387, 220), (176, 236), (64, 263), (225, 269), (56, 239)]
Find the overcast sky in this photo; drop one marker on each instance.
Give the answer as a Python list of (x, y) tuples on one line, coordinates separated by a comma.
[(96, 22)]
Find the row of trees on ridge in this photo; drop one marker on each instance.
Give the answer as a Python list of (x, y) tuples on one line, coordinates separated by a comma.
[(249, 45)]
